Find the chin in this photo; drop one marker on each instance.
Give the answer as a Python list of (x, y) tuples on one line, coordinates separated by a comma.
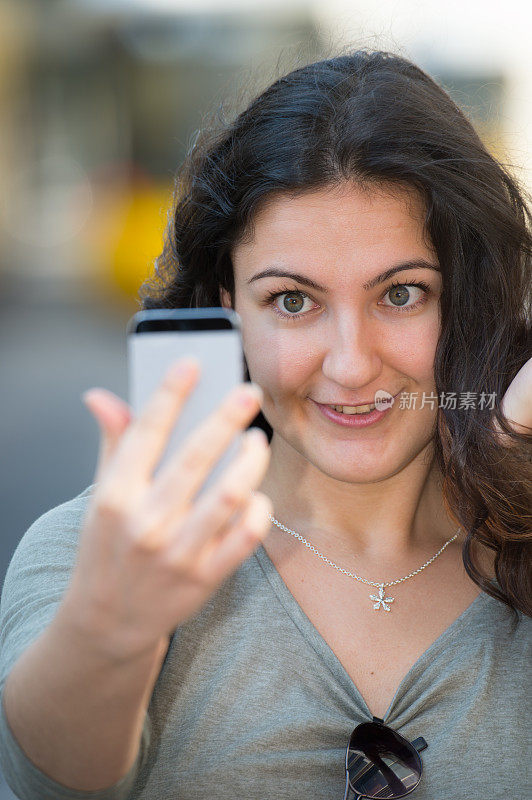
[(370, 474), (371, 462)]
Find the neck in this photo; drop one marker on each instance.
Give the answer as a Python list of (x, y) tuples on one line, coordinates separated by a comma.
[(387, 523)]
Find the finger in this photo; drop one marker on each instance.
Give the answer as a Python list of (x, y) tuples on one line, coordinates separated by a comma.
[(214, 510), (517, 401), (144, 442), (179, 480), (223, 556), (113, 416)]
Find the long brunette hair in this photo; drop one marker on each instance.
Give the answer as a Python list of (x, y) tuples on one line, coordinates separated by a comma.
[(375, 117)]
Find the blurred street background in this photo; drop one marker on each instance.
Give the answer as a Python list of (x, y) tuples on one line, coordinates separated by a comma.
[(99, 102)]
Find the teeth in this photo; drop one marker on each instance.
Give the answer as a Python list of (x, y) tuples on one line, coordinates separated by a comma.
[(353, 409)]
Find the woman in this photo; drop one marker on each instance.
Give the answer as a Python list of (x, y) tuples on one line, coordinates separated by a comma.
[(377, 254)]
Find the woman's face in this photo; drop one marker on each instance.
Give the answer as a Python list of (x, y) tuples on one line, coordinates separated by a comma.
[(345, 341)]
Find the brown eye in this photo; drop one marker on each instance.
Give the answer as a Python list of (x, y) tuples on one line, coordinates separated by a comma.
[(292, 302), (401, 293)]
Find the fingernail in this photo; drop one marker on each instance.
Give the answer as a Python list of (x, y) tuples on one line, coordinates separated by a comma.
[(86, 396), (248, 397), (87, 400), (184, 368), (258, 435)]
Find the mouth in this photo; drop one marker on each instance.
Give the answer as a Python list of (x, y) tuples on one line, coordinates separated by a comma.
[(362, 409), (355, 416)]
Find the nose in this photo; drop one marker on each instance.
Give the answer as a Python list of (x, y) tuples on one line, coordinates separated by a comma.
[(352, 353)]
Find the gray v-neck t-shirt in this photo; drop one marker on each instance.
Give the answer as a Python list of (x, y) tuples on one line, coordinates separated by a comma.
[(252, 704)]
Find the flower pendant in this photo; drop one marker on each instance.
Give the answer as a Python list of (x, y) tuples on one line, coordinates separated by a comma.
[(381, 600)]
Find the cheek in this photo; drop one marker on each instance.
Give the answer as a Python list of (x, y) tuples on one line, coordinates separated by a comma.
[(413, 349), (279, 363), (284, 359)]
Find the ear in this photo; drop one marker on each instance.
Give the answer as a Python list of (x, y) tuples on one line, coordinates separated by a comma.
[(225, 298)]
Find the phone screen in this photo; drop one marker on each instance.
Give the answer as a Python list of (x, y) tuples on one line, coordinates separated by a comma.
[(156, 338)]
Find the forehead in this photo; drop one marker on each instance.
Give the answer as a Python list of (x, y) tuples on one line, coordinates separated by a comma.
[(345, 216)]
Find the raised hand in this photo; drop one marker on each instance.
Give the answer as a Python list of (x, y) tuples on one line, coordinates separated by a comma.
[(149, 554), (517, 402)]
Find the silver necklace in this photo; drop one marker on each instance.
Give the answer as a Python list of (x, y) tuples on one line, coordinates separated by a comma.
[(379, 601)]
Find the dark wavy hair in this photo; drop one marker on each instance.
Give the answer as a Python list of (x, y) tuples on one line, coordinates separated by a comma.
[(374, 117)]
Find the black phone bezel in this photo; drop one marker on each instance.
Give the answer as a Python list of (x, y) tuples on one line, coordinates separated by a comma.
[(211, 318)]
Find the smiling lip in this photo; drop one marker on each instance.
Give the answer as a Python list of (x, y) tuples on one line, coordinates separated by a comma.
[(349, 405), (353, 420)]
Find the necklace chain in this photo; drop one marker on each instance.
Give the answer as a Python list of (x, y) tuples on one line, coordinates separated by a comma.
[(350, 574), (380, 600)]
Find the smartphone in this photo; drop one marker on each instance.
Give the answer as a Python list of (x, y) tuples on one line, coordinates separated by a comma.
[(156, 338)]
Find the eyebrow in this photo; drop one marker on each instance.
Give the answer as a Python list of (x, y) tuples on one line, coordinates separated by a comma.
[(274, 272)]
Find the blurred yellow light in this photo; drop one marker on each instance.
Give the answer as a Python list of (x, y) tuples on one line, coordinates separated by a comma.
[(129, 235)]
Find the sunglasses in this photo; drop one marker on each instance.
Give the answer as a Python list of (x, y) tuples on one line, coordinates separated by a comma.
[(380, 763)]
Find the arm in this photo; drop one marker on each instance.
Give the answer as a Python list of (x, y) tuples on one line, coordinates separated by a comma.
[(78, 715)]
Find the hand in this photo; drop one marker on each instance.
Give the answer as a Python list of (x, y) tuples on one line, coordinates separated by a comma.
[(517, 403), (150, 554)]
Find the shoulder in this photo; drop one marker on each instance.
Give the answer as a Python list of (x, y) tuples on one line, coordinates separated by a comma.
[(37, 576), (50, 538)]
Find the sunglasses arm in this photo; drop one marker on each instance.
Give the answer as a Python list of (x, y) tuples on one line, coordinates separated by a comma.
[(419, 744), (350, 794)]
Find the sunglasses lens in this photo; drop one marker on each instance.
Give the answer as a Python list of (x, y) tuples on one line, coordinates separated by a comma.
[(381, 764)]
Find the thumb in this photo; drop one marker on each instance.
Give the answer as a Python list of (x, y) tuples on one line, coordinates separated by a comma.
[(113, 416)]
